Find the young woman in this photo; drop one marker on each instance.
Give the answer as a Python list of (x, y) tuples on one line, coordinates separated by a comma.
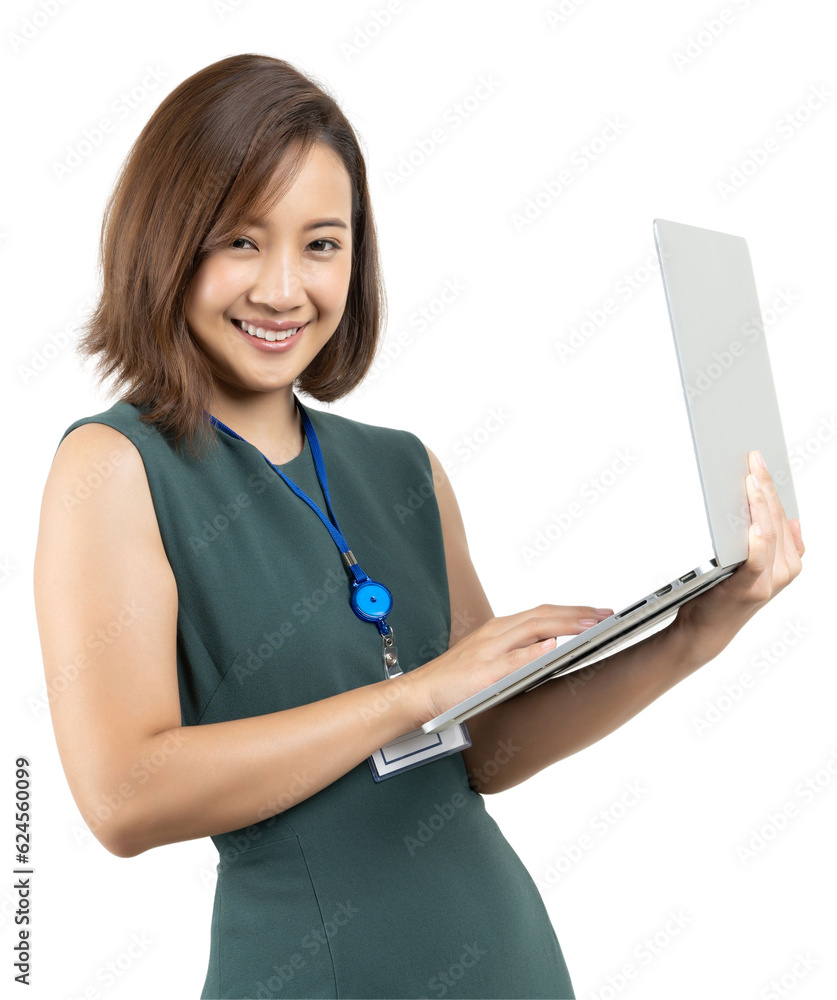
[(260, 649)]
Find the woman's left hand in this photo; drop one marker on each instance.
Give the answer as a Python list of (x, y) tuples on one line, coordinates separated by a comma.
[(773, 560)]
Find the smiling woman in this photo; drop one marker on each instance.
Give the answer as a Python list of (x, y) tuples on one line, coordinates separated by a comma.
[(260, 674), (239, 264)]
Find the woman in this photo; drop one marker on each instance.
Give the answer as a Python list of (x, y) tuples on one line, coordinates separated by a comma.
[(247, 686)]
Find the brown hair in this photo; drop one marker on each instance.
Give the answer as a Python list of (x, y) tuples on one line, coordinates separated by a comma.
[(201, 164)]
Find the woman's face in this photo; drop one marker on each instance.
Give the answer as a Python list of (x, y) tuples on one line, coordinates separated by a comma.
[(287, 271)]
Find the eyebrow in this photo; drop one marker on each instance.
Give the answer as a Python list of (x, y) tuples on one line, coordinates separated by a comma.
[(320, 224)]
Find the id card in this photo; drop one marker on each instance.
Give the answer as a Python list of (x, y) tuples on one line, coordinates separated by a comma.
[(416, 748)]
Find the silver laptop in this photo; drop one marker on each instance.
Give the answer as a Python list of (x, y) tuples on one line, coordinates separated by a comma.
[(731, 403)]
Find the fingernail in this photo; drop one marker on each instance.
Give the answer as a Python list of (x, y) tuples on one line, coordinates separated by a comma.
[(761, 459), (588, 621), (604, 612), (757, 484), (757, 528)]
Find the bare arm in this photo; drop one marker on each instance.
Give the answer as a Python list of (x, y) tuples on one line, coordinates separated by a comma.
[(539, 727), (106, 604)]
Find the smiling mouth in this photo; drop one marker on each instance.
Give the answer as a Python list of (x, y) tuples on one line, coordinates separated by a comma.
[(269, 335)]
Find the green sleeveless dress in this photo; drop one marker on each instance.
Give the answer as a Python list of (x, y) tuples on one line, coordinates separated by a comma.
[(400, 888)]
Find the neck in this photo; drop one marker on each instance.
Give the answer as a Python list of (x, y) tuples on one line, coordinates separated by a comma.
[(269, 420)]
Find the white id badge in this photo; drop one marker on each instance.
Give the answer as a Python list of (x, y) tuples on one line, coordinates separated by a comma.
[(416, 748)]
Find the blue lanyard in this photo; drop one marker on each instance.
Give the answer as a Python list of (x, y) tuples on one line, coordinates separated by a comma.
[(370, 600)]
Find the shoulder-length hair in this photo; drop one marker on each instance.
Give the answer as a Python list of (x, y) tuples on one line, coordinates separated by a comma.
[(202, 164)]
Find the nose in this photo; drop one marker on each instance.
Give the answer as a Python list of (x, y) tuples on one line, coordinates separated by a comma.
[(278, 282)]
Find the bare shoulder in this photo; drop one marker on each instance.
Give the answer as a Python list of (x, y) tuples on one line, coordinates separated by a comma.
[(468, 602), (98, 474), (452, 524), (106, 605), (440, 477), (97, 510), (98, 440)]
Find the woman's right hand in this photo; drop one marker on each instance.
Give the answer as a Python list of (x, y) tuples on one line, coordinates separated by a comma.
[(499, 647)]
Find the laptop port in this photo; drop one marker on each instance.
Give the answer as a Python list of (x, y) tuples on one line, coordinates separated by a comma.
[(627, 611), (665, 590), (688, 576)]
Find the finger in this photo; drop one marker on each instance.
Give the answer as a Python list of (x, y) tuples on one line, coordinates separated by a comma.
[(563, 612), (764, 480), (796, 532), (786, 560), (522, 654), (765, 490), (761, 537), (759, 466), (547, 621), (585, 614), (525, 654)]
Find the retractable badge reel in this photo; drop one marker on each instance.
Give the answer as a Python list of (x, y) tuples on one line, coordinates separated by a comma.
[(372, 602)]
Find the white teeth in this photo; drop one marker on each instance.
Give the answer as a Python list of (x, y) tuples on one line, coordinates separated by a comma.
[(270, 335)]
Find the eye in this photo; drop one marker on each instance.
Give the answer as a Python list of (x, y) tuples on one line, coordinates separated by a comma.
[(333, 245), (242, 239)]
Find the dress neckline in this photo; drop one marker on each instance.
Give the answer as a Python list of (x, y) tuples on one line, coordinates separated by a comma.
[(220, 426)]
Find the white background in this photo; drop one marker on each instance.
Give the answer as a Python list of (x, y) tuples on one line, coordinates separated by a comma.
[(558, 71)]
